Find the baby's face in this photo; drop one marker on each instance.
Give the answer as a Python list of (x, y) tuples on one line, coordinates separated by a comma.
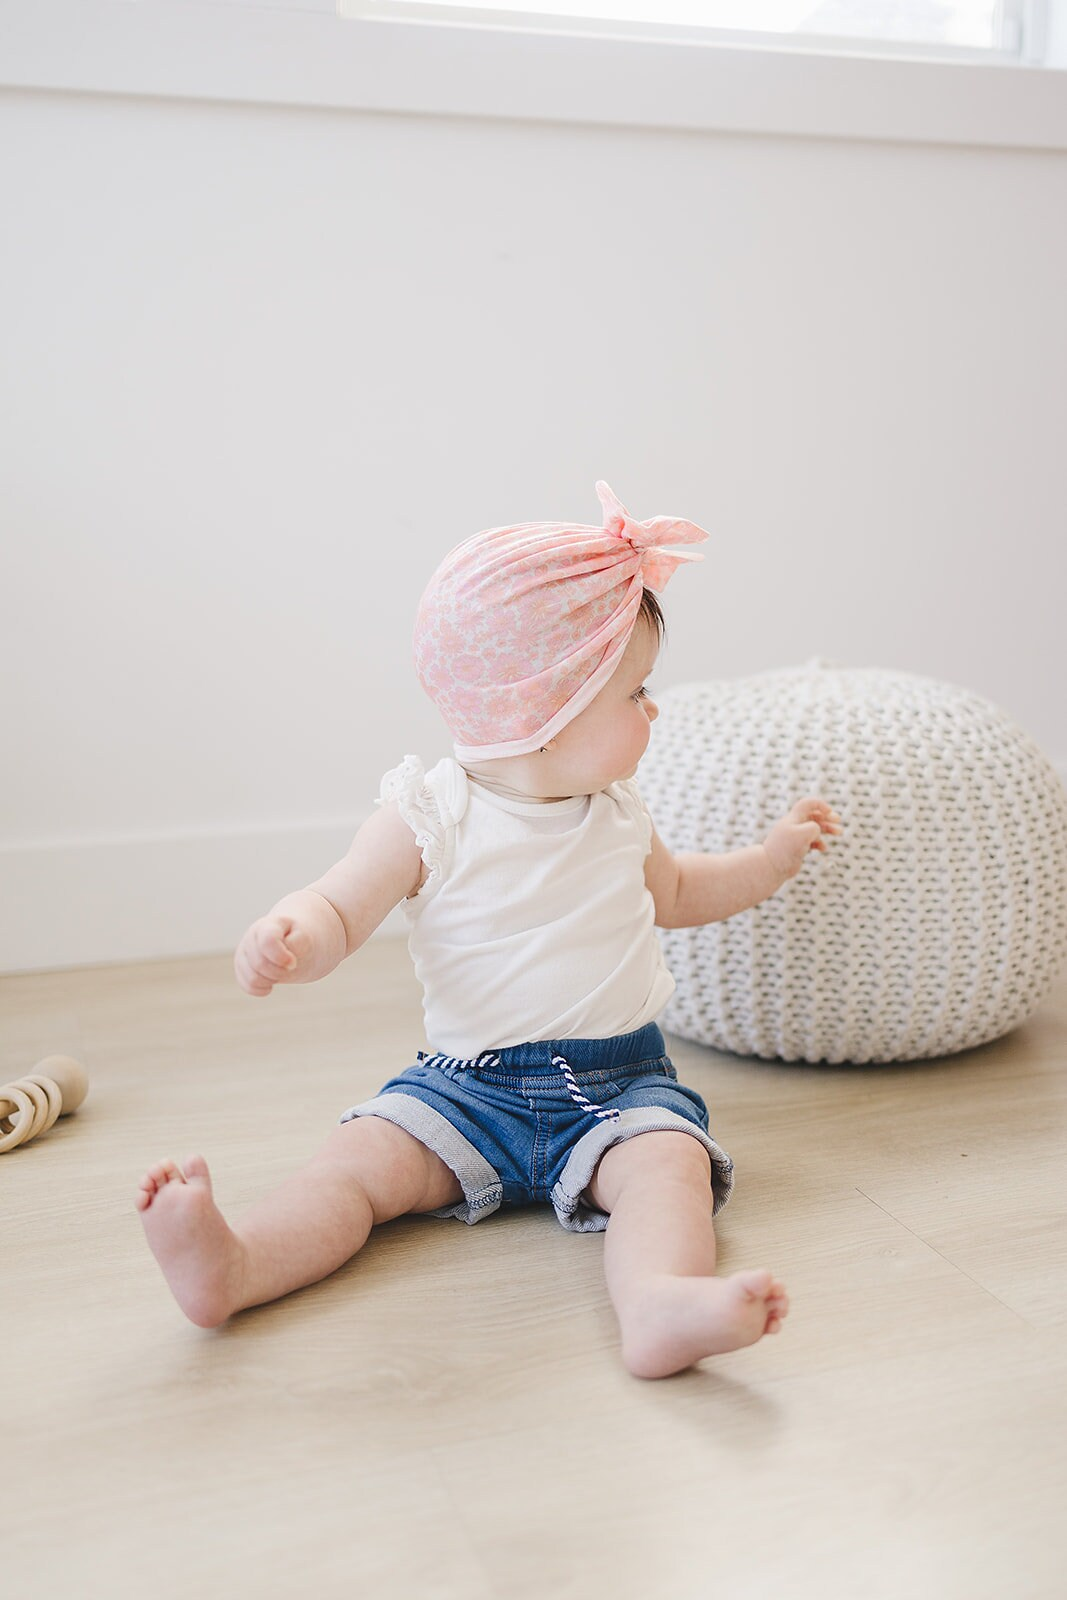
[(606, 741)]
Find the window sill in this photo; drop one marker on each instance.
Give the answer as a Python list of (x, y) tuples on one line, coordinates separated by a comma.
[(274, 56)]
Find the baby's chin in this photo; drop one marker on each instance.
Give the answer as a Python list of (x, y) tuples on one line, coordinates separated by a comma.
[(590, 783), (619, 777)]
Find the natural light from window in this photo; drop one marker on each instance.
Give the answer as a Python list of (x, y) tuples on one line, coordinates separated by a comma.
[(955, 24)]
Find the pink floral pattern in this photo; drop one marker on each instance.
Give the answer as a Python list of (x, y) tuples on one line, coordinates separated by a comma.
[(519, 628)]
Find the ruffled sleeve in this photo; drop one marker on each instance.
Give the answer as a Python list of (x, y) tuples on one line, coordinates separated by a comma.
[(432, 804)]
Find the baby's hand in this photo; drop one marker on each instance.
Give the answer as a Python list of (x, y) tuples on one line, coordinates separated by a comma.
[(790, 840), (274, 950)]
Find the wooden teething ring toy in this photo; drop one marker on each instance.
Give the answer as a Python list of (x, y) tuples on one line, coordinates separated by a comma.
[(30, 1105)]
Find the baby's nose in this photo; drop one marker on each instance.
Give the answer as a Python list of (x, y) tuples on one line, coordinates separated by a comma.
[(651, 710)]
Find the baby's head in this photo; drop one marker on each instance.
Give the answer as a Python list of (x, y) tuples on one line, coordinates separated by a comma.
[(525, 634)]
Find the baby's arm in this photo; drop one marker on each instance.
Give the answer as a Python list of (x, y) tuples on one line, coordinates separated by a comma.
[(692, 889), (310, 932)]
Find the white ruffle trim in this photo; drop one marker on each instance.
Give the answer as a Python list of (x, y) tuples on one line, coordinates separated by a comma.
[(431, 804)]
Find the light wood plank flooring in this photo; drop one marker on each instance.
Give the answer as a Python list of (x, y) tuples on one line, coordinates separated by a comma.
[(447, 1416)]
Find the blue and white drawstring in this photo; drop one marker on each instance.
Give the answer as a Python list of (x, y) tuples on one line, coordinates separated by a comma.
[(578, 1097), (488, 1059)]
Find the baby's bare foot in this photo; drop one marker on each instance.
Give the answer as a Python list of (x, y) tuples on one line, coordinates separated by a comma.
[(677, 1321), (201, 1257)]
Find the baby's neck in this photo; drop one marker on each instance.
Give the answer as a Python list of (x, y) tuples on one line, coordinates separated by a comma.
[(501, 778)]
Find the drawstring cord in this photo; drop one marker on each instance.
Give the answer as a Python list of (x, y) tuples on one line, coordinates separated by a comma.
[(488, 1059), (578, 1097)]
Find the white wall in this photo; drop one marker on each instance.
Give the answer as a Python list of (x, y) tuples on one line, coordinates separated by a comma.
[(262, 367)]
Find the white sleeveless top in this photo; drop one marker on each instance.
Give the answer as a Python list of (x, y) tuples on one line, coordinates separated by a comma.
[(535, 921)]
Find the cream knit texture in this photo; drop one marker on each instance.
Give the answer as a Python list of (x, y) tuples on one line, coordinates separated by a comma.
[(937, 921)]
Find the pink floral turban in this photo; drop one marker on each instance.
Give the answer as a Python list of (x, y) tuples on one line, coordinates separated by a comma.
[(519, 628)]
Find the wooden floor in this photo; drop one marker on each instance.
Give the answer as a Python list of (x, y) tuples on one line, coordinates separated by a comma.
[(447, 1418)]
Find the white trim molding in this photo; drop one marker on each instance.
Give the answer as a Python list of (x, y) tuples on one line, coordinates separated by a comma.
[(270, 55)]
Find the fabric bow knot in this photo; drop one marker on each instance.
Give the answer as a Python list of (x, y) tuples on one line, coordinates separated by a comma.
[(657, 564)]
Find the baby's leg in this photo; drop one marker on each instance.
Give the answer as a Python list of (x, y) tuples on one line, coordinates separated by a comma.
[(368, 1171), (659, 1258)]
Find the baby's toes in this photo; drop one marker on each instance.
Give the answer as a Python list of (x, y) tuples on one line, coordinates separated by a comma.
[(777, 1307), (167, 1172), (155, 1179), (195, 1170)]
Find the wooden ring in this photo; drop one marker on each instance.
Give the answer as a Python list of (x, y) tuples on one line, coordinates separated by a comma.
[(24, 1114), (53, 1095), (40, 1102)]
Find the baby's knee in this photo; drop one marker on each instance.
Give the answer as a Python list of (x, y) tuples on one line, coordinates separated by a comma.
[(666, 1154), (656, 1158)]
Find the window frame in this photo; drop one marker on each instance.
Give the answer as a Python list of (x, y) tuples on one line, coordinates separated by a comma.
[(1028, 18), (284, 55)]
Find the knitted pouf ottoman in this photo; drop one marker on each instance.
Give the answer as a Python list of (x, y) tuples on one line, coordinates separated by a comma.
[(937, 921)]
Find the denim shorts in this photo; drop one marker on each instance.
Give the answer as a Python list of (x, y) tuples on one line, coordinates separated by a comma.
[(530, 1122)]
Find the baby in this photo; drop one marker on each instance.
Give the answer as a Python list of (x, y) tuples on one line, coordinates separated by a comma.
[(532, 878)]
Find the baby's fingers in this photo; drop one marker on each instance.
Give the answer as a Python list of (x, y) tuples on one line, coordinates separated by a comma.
[(250, 981), (271, 954), (817, 811)]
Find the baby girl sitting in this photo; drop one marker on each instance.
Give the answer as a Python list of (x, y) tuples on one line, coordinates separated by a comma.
[(532, 877)]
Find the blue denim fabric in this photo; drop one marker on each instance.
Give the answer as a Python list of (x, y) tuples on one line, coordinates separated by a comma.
[(508, 1125)]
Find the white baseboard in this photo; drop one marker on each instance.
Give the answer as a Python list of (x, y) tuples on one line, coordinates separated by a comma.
[(96, 902)]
